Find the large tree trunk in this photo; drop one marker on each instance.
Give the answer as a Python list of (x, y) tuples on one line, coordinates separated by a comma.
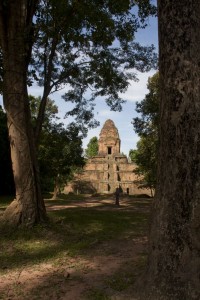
[(174, 260), (28, 207)]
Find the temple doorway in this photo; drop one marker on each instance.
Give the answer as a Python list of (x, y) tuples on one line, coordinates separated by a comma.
[(109, 150)]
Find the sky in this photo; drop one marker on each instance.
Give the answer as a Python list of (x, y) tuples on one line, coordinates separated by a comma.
[(135, 92)]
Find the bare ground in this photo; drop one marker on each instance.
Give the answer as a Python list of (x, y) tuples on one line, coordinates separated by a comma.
[(108, 271)]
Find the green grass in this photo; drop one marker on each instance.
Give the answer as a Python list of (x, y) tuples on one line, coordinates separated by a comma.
[(97, 294), (72, 197), (72, 236), (70, 231), (62, 199)]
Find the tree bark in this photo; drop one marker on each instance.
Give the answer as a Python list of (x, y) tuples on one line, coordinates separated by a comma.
[(28, 207), (174, 261)]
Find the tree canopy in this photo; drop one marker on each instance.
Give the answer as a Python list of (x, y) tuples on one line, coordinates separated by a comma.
[(92, 147), (60, 154), (60, 150), (146, 126), (88, 47), (92, 56), (148, 108)]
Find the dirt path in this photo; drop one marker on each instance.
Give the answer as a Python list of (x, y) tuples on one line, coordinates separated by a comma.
[(106, 272)]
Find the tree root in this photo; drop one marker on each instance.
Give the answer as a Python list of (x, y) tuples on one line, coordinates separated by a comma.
[(13, 213)]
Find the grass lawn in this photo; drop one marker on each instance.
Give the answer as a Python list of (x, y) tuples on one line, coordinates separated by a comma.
[(75, 239)]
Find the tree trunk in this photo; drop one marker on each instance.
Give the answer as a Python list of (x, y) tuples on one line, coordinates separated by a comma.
[(174, 260), (56, 190), (28, 207)]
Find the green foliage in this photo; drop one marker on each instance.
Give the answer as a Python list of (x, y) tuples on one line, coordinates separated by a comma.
[(88, 46), (145, 159), (50, 112), (6, 182), (91, 55), (60, 153), (60, 150), (92, 147), (145, 156), (68, 45), (148, 109)]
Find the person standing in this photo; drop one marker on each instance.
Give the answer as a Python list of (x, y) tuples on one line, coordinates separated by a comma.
[(117, 193)]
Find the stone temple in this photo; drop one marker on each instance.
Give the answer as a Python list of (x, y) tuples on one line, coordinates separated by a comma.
[(108, 170)]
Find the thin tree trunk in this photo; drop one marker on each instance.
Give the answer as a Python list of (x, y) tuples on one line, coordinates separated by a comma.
[(56, 190), (174, 260), (48, 69), (28, 207)]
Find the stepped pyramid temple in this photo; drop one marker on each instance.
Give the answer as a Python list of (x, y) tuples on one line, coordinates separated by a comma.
[(108, 170)]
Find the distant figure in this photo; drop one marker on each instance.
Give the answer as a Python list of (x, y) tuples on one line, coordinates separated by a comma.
[(117, 193)]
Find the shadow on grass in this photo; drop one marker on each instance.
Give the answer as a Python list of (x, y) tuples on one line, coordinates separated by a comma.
[(56, 285), (126, 203), (72, 231)]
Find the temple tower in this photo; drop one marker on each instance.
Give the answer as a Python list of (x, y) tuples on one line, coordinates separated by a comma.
[(109, 141), (109, 169)]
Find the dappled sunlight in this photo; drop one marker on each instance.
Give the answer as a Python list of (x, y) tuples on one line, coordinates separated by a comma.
[(105, 203), (29, 254), (90, 248), (76, 277)]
